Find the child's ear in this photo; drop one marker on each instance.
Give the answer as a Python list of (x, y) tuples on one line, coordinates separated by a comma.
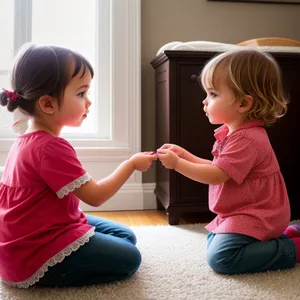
[(246, 103), (47, 104)]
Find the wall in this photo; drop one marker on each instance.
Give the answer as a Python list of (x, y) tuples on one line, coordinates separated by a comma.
[(164, 21)]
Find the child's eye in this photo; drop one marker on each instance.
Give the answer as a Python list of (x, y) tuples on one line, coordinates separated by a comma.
[(80, 95), (213, 95)]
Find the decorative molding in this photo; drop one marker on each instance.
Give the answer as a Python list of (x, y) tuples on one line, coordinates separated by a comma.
[(129, 197), (149, 198)]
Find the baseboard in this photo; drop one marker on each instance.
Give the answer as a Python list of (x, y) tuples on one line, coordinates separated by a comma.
[(149, 198), (130, 197)]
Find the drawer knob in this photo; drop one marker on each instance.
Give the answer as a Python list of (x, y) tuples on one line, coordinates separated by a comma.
[(195, 78)]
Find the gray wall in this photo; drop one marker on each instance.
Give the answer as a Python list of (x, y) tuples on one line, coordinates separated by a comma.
[(164, 21)]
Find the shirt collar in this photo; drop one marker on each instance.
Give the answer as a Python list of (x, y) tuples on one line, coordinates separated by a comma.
[(222, 131)]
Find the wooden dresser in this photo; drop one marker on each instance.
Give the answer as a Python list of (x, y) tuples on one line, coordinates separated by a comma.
[(180, 119)]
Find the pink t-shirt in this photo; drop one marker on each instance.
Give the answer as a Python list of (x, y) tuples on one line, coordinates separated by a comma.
[(40, 219), (254, 201)]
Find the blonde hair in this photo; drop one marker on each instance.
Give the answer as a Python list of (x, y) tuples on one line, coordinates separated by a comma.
[(250, 72)]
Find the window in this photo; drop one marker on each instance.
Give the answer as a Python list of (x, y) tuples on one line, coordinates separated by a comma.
[(6, 54), (77, 29), (108, 34)]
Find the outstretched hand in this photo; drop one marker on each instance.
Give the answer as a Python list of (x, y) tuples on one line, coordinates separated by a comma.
[(179, 151), (142, 161), (168, 158)]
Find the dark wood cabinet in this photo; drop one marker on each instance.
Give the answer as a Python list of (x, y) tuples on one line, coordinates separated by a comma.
[(180, 120)]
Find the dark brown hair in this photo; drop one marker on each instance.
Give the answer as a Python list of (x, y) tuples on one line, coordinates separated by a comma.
[(42, 70)]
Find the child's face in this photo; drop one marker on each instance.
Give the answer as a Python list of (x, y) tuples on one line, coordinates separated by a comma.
[(75, 103), (220, 105)]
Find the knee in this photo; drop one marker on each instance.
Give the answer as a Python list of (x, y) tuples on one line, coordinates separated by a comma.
[(219, 262), (126, 234), (131, 237), (135, 261), (137, 257)]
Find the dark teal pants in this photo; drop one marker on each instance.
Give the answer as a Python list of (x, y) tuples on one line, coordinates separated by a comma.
[(109, 255), (229, 253)]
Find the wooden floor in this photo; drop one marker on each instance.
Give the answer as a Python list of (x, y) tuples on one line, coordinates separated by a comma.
[(143, 217)]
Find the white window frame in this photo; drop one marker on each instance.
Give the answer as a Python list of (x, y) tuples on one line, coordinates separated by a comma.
[(120, 63)]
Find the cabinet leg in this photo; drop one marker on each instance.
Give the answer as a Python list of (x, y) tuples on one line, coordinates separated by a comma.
[(173, 219)]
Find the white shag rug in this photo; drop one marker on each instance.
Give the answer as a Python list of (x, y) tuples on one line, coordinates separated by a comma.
[(174, 267)]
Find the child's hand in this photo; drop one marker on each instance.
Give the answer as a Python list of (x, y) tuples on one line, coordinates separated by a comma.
[(168, 158), (142, 161), (179, 151)]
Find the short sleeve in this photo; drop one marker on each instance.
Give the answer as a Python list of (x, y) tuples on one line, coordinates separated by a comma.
[(60, 168), (237, 158)]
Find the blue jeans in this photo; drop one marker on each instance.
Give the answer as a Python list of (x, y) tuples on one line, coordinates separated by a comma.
[(229, 253), (109, 255)]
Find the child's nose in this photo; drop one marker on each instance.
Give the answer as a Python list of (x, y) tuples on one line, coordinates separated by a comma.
[(88, 103)]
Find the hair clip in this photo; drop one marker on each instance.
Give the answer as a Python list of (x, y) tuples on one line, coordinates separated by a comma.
[(12, 96)]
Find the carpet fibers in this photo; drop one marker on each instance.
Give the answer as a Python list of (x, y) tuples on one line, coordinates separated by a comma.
[(174, 267)]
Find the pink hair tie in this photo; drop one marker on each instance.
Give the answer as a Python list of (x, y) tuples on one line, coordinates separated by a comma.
[(12, 96)]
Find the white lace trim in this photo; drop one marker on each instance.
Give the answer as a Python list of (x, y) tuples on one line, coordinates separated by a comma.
[(73, 185), (59, 257)]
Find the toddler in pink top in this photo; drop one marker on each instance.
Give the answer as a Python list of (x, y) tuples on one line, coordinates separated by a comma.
[(45, 239), (247, 191)]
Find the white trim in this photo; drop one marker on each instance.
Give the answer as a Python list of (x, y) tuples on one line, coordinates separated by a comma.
[(23, 23), (70, 187), (103, 62), (149, 196), (129, 197)]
